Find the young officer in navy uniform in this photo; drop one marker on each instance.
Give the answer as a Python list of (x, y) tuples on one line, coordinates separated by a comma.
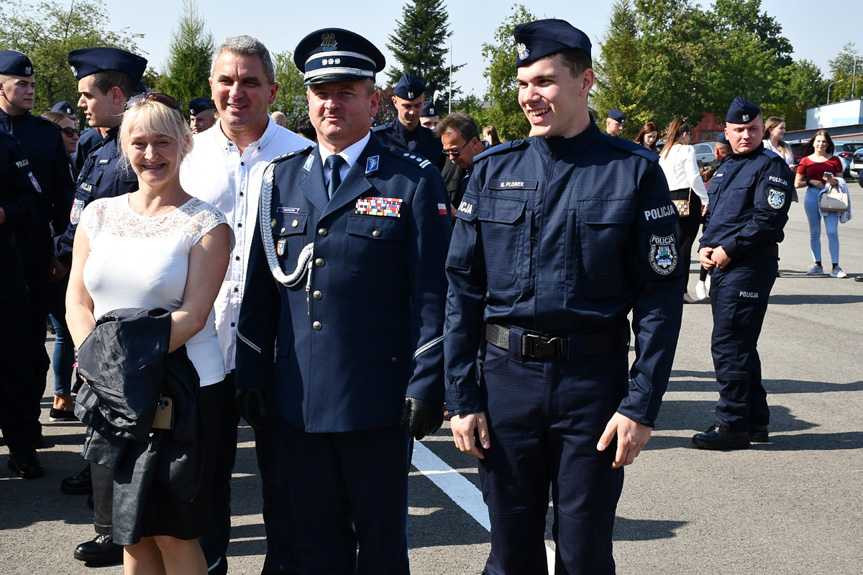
[(749, 201), (355, 235), (405, 131), (107, 78), (557, 239), (41, 142), (19, 416)]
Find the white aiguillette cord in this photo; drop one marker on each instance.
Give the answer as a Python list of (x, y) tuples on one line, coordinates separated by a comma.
[(304, 260)]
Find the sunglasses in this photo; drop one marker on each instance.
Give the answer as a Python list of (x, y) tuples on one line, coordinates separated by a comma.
[(163, 99), (458, 152), (71, 132)]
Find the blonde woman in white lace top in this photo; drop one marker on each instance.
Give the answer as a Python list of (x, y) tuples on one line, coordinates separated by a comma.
[(157, 247)]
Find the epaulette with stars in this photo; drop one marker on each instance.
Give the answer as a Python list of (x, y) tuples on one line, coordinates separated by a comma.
[(301, 152), (410, 157)]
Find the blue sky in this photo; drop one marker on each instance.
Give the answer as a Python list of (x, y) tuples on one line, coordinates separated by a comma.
[(281, 24)]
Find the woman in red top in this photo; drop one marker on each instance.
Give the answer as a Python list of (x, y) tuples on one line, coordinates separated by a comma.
[(818, 168)]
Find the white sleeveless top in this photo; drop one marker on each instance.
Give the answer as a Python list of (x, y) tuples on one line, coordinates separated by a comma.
[(142, 262)]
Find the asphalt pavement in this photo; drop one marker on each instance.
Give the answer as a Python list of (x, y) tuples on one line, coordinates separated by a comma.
[(791, 506)]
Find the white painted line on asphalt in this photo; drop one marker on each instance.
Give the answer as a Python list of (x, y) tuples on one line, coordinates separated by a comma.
[(459, 489)]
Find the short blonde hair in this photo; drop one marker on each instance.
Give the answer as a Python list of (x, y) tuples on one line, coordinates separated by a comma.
[(156, 118)]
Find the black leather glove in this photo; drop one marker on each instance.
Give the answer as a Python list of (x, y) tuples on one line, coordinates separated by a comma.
[(423, 417), (251, 405)]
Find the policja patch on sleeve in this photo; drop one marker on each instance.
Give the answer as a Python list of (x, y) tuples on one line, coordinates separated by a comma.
[(776, 198), (663, 254)]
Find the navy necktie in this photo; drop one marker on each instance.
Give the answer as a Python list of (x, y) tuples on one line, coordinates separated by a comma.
[(334, 163)]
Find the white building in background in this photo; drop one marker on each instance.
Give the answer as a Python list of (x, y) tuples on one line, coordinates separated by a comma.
[(846, 113)]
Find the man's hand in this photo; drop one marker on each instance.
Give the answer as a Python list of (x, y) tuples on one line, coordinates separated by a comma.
[(58, 271), (251, 405), (465, 428), (631, 437), (720, 258), (422, 417), (704, 258)]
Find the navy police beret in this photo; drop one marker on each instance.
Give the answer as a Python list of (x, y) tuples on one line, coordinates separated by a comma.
[(198, 105), (616, 115), (409, 87), (64, 108), (742, 111), (541, 38), (429, 110), (721, 139), (337, 55), (87, 61), (14, 63)]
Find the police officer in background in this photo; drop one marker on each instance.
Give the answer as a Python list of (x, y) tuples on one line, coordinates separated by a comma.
[(107, 78), (429, 117), (19, 416), (202, 115), (459, 135), (41, 142), (558, 238), (749, 200), (405, 131), (614, 122), (346, 291)]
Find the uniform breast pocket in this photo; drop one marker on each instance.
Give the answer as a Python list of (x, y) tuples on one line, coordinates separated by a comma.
[(503, 225), (376, 245), (288, 233), (602, 232)]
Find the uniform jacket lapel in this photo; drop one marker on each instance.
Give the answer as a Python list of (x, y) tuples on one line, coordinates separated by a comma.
[(313, 185), (356, 183)]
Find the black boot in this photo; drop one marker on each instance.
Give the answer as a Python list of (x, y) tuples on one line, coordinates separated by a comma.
[(720, 437), (24, 462), (81, 484), (100, 551)]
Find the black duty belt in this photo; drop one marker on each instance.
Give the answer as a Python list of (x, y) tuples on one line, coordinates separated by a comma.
[(569, 347)]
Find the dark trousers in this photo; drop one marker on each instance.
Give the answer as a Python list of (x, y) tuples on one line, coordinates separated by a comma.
[(19, 414), (687, 229), (545, 418), (349, 489), (281, 556), (103, 498), (738, 296)]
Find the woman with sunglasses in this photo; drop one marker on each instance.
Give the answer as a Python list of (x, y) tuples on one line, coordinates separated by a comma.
[(155, 248)]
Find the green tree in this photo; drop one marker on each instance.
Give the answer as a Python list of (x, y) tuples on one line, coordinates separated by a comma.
[(846, 70), (746, 16), (291, 98), (806, 89), (420, 45), (505, 114), (189, 58), (48, 31)]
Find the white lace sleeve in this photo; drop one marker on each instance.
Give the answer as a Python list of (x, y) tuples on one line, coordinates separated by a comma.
[(92, 218), (207, 217)]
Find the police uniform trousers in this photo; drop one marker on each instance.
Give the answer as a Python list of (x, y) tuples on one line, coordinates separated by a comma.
[(738, 296), (19, 415), (545, 418), (36, 249), (351, 478)]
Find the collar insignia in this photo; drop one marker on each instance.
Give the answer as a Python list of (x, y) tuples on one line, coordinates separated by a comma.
[(372, 164)]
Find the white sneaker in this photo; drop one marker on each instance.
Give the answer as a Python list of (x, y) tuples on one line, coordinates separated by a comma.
[(838, 273), (815, 270), (701, 290)]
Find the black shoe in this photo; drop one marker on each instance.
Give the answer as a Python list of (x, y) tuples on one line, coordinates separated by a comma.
[(25, 463), (759, 434), (61, 415), (720, 437), (81, 484), (859, 278), (100, 551)]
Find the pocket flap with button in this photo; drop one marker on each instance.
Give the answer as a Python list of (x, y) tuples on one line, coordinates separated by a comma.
[(501, 210), (376, 227), (597, 211), (290, 224)]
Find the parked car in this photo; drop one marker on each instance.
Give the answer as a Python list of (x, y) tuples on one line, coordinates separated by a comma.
[(856, 167), (704, 154)]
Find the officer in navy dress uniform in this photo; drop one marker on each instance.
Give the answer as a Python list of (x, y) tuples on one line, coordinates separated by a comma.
[(107, 78), (558, 238), (405, 131), (749, 201), (41, 143), (19, 416), (355, 234), (202, 114)]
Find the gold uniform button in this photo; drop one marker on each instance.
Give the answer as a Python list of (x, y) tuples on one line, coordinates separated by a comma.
[(317, 326)]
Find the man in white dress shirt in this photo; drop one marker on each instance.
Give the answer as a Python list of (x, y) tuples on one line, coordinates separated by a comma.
[(225, 168)]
